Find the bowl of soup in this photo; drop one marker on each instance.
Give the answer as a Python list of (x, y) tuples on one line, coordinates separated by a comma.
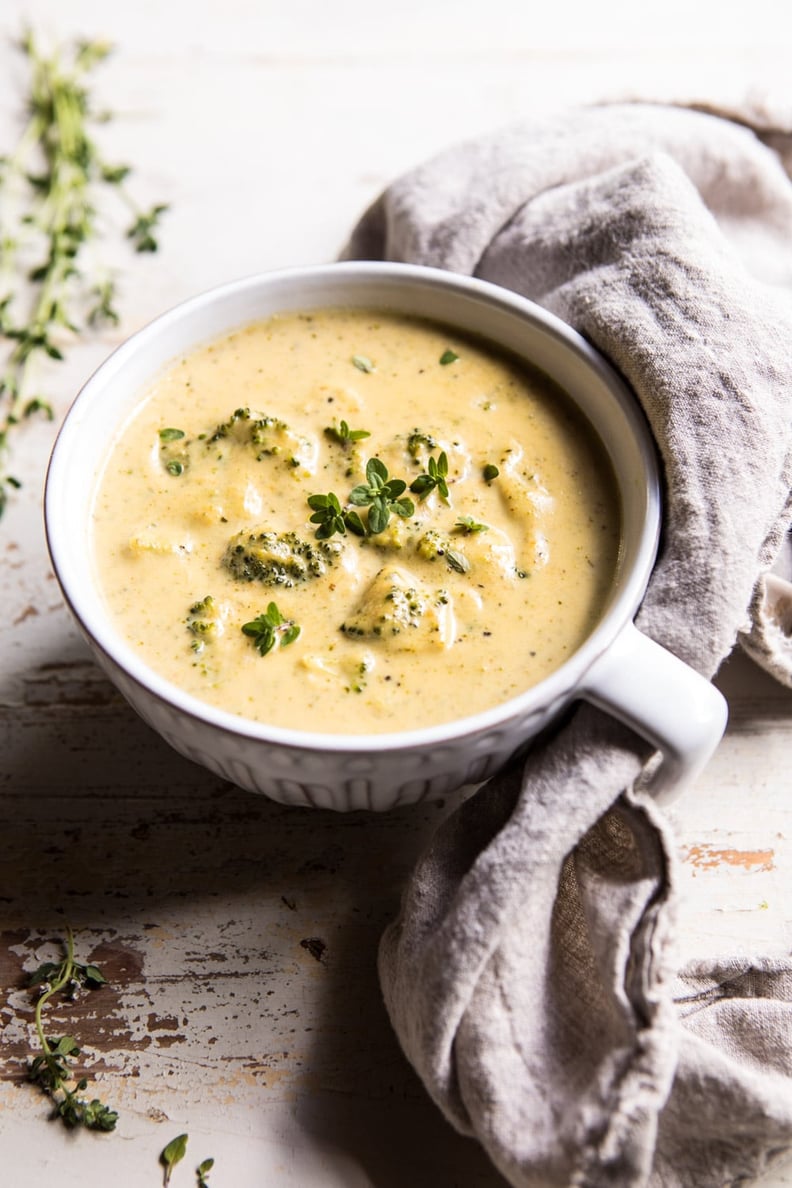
[(352, 535)]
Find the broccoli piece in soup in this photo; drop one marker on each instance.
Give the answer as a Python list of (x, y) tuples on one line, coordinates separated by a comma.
[(270, 437), (402, 614), (435, 546), (278, 559), (420, 444), (204, 622)]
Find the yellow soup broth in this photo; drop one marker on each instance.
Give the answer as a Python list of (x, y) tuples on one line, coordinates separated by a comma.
[(462, 591)]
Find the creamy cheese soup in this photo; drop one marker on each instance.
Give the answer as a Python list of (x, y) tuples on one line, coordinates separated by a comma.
[(355, 522)]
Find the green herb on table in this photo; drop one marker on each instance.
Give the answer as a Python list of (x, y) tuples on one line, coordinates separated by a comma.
[(382, 496), (271, 630), (435, 478), (50, 187), (202, 1173), (145, 224), (448, 356), (102, 311), (50, 1069), (173, 1154), (345, 436)]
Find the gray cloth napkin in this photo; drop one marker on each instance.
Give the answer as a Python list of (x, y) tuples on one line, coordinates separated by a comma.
[(530, 973)]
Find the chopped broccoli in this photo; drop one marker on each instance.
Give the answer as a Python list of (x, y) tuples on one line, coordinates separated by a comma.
[(420, 443), (433, 545), (278, 559), (269, 436), (395, 537), (204, 622)]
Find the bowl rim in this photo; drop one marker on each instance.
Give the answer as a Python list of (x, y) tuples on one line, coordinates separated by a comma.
[(558, 685)]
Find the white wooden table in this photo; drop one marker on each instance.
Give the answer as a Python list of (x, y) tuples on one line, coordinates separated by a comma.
[(239, 937)]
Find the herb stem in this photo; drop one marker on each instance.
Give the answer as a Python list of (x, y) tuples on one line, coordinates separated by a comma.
[(65, 975)]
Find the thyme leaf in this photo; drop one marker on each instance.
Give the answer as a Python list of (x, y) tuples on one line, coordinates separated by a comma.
[(141, 232), (467, 525), (171, 1155), (457, 561), (202, 1172)]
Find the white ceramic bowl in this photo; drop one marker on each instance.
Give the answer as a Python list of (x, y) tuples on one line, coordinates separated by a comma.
[(616, 667)]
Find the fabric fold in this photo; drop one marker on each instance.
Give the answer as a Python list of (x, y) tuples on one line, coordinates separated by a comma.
[(530, 975)]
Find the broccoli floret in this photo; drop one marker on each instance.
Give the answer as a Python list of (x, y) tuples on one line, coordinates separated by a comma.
[(269, 436), (204, 622), (401, 613), (434, 546), (396, 536), (278, 559), (420, 443)]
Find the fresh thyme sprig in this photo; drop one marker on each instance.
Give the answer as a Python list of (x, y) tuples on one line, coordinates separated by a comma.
[(381, 495), (468, 526), (50, 1069), (332, 518), (437, 473), (49, 188), (345, 436), (271, 630)]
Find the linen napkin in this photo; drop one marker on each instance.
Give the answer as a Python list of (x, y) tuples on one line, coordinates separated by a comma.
[(530, 975)]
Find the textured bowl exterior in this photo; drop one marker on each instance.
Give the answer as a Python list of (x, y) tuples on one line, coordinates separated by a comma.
[(347, 780), (298, 767)]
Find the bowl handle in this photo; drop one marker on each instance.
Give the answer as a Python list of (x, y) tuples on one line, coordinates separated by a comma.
[(665, 701)]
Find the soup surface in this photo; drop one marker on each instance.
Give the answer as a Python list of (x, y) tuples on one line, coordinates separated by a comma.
[(355, 522)]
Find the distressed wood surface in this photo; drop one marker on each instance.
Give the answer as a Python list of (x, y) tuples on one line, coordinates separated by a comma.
[(239, 937)]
